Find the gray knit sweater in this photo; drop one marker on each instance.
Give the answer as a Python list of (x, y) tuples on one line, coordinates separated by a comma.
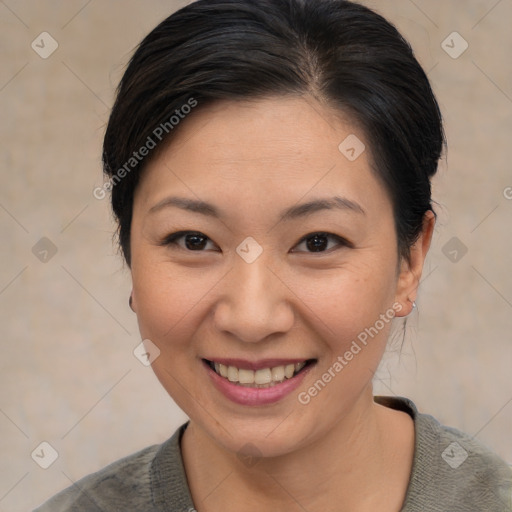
[(452, 472)]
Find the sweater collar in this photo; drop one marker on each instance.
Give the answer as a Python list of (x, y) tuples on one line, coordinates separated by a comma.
[(169, 481)]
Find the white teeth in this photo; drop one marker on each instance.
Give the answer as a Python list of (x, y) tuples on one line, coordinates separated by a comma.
[(223, 370), (232, 374), (299, 366), (246, 376), (289, 369), (264, 377), (278, 373)]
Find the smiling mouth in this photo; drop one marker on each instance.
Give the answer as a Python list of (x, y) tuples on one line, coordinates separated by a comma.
[(262, 378)]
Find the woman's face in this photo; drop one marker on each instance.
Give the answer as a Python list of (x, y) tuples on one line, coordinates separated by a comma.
[(263, 281)]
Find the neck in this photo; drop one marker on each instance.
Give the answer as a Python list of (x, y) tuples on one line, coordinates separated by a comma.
[(343, 470)]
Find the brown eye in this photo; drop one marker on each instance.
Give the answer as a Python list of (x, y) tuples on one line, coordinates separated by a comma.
[(318, 242), (194, 241)]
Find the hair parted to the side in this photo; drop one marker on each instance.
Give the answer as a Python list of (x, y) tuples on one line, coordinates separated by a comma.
[(337, 51)]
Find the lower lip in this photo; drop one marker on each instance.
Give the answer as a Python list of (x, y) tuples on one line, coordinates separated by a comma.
[(256, 396)]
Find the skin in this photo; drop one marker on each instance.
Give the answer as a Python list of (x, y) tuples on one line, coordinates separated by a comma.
[(341, 451)]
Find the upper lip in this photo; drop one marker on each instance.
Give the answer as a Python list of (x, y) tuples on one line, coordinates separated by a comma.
[(257, 365)]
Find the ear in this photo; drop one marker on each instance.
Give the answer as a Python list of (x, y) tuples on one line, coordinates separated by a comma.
[(410, 270)]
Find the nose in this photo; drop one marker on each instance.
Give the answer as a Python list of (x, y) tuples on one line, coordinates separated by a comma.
[(254, 302)]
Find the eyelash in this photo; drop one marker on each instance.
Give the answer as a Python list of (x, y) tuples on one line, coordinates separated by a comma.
[(172, 240)]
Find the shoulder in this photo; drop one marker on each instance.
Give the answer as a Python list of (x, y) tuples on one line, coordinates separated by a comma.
[(111, 488), (122, 485), (452, 470)]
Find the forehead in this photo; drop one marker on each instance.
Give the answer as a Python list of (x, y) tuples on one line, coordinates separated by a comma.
[(267, 151)]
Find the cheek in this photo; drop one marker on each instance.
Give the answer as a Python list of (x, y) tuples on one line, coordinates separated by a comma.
[(167, 298), (353, 318), (352, 298), (170, 308)]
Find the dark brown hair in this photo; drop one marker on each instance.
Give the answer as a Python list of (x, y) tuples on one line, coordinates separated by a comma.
[(337, 50)]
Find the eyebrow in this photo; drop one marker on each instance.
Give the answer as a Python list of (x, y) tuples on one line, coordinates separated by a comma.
[(294, 212)]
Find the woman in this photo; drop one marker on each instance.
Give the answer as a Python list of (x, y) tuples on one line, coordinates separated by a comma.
[(270, 167)]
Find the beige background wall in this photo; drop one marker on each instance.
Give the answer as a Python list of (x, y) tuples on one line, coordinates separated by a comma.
[(68, 375)]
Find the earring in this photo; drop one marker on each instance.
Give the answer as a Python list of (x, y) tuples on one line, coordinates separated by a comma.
[(130, 302), (413, 302)]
